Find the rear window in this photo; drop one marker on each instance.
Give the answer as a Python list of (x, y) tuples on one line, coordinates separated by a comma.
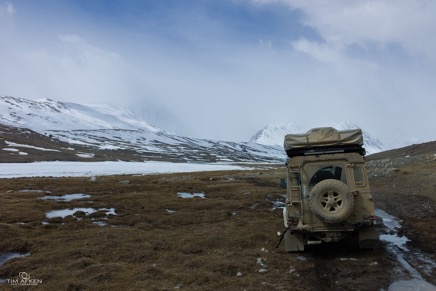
[(359, 177), (318, 173)]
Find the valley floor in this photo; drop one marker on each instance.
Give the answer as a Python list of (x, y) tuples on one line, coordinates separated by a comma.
[(136, 232)]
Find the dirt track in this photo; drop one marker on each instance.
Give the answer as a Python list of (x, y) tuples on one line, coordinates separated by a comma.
[(159, 241)]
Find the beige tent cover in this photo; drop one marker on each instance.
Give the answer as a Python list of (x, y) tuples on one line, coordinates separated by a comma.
[(323, 136)]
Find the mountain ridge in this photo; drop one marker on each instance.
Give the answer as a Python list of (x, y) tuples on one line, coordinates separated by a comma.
[(116, 132), (118, 128)]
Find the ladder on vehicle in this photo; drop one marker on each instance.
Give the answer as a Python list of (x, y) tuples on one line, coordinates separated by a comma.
[(295, 195)]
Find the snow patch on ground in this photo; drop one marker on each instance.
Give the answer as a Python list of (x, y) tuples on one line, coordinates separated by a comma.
[(85, 169), (85, 155), (18, 145)]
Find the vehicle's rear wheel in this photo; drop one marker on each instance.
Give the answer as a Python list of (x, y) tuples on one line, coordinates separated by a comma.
[(331, 201)]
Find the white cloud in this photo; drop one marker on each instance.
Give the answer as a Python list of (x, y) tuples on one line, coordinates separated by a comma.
[(71, 70), (372, 23), (320, 51), (373, 60), (86, 54)]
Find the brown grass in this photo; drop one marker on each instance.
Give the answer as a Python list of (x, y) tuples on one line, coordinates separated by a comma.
[(200, 245)]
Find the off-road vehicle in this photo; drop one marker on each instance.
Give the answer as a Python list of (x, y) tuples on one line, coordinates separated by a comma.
[(328, 195)]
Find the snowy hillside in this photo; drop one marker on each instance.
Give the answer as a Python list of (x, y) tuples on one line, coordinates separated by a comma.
[(107, 128), (274, 135), (47, 114)]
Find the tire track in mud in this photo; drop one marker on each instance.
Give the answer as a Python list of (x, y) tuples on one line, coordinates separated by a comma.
[(333, 276), (413, 264), (341, 265), (345, 267), (324, 274)]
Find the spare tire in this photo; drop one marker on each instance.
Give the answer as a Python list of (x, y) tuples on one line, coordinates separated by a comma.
[(331, 201)]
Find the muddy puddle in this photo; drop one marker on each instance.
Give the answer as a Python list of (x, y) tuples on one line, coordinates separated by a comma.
[(7, 257), (277, 200), (62, 213), (414, 263), (78, 212), (191, 195), (33, 191), (411, 285), (66, 198)]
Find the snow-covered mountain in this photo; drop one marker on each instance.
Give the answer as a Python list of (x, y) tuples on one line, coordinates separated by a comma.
[(46, 114), (109, 128), (274, 135)]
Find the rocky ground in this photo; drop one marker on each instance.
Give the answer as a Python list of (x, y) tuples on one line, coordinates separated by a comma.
[(144, 235)]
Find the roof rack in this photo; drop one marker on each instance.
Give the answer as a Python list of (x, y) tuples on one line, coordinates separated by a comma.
[(324, 140), (326, 150)]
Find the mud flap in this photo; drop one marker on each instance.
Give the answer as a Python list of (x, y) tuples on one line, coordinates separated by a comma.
[(368, 237), (293, 242)]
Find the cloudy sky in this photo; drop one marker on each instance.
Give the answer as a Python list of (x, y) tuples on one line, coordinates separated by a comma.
[(226, 68)]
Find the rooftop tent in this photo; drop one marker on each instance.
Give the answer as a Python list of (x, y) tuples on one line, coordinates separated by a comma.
[(324, 137)]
